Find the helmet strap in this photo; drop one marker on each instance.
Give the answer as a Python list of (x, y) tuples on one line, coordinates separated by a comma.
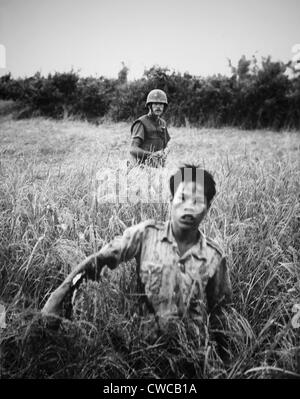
[(151, 109)]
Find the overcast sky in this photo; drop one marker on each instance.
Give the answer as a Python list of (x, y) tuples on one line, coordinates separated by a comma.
[(95, 36)]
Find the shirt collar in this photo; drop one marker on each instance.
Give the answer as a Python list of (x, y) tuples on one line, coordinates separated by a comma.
[(198, 250), (167, 233)]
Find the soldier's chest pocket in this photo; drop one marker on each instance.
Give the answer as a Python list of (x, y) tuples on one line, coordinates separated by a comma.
[(156, 134), (156, 142), (151, 277)]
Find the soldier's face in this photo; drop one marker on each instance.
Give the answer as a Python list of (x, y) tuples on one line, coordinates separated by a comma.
[(189, 205), (157, 109)]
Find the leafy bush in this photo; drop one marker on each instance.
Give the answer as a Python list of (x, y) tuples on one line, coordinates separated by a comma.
[(253, 97), (93, 97)]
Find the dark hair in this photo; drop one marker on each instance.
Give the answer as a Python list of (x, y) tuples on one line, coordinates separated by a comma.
[(207, 181)]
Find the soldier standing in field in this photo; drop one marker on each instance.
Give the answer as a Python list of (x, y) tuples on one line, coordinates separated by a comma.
[(149, 133), (182, 274)]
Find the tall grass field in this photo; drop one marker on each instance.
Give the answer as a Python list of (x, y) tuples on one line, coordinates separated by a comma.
[(51, 219)]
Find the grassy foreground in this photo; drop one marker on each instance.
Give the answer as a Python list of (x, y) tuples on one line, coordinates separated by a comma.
[(49, 221)]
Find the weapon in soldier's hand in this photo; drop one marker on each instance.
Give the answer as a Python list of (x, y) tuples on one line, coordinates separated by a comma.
[(70, 284), (159, 154), (66, 301), (166, 151)]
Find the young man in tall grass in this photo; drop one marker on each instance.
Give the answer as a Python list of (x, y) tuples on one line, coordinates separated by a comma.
[(182, 274)]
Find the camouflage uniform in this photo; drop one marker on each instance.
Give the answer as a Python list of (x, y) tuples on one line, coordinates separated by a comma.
[(173, 287), (150, 134)]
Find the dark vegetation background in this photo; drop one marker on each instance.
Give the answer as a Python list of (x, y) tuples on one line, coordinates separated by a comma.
[(257, 95)]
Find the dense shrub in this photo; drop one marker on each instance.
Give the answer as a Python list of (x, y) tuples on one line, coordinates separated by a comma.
[(52, 96), (93, 97), (129, 100), (255, 96)]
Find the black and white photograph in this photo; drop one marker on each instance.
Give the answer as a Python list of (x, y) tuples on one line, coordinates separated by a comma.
[(149, 192)]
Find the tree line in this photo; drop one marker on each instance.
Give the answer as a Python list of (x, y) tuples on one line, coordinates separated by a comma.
[(254, 96)]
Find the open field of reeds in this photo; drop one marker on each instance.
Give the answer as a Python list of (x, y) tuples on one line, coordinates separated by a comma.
[(50, 221)]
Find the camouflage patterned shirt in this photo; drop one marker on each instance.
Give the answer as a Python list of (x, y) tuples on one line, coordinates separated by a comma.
[(175, 286)]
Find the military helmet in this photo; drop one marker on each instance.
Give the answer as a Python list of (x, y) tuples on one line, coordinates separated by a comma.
[(157, 96)]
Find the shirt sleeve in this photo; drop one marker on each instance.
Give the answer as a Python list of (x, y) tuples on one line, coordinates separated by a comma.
[(218, 290), (138, 131), (168, 138), (124, 248), (136, 142), (219, 293)]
